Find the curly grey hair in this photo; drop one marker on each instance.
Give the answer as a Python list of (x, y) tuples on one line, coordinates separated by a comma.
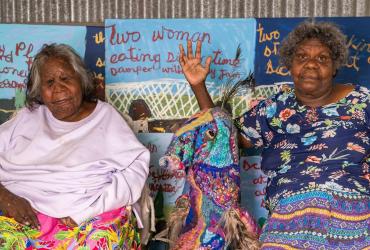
[(327, 33), (70, 56)]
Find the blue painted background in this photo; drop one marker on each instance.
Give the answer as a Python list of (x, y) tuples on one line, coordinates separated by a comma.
[(271, 31)]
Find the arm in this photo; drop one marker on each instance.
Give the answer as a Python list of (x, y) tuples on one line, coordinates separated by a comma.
[(196, 74), (18, 208)]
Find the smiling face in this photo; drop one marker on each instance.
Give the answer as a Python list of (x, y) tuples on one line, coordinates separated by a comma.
[(312, 69), (61, 90)]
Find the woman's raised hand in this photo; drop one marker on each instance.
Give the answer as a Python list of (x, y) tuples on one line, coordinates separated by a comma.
[(195, 73)]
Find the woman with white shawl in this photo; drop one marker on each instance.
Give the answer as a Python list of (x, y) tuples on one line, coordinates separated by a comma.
[(70, 167)]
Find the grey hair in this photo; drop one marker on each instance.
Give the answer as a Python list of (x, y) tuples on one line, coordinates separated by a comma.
[(68, 55), (327, 33)]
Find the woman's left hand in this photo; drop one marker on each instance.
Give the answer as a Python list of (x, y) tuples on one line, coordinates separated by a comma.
[(194, 72), (68, 221)]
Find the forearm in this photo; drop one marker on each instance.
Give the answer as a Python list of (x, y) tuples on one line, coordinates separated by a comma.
[(18, 208), (6, 198), (202, 96), (5, 195)]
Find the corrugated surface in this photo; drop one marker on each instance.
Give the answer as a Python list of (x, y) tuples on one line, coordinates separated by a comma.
[(95, 11)]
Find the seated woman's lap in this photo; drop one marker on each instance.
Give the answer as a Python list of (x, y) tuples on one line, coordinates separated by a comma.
[(111, 230)]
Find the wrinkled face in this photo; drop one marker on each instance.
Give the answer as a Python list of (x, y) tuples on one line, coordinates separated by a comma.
[(312, 68), (61, 90)]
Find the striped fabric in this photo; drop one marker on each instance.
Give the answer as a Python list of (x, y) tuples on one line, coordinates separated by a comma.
[(319, 219)]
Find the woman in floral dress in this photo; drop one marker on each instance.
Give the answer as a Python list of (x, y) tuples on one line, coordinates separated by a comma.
[(314, 141)]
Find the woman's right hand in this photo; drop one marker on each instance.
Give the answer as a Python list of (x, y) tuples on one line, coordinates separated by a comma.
[(18, 208), (195, 73)]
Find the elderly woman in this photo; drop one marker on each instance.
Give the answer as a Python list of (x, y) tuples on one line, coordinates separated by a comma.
[(70, 167), (314, 141)]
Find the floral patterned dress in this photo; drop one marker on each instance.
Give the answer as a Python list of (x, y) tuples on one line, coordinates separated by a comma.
[(115, 229), (317, 163)]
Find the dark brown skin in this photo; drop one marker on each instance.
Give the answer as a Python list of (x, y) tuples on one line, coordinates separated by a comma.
[(196, 74), (68, 221), (312, 72), (18, 208), (61, 91)]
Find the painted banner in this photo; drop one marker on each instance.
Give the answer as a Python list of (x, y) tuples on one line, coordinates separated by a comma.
[(144, 79), (253, 187), (94, 57), (162, 182)]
